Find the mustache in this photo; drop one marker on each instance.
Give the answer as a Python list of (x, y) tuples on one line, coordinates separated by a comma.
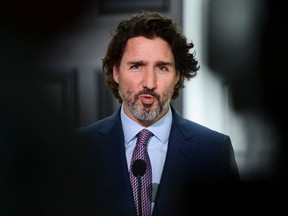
[(148, 92)]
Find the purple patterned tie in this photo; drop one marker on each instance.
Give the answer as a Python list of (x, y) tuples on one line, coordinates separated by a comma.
[(140, 152)]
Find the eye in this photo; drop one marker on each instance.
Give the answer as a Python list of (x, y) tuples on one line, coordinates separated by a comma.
[(162, 68), (136, 67)]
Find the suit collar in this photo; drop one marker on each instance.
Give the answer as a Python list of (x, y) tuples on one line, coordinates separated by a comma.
[(180, 123)]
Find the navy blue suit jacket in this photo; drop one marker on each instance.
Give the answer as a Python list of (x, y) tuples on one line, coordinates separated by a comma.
[(197, 158)]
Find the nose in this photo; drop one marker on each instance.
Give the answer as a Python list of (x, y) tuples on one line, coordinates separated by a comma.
[(150, 79)]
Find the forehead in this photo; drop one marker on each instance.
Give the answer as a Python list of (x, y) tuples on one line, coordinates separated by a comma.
[(148, 48)]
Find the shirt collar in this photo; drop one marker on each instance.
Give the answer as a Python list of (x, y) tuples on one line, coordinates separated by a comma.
[(160, 129)]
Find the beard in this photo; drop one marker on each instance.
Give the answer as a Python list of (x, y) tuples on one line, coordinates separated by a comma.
[(146, 112)]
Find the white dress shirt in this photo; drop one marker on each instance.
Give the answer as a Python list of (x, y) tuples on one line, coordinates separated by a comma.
[(157, 145)]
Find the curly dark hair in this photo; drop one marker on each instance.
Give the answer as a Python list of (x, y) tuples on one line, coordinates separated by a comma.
[(150, 25)]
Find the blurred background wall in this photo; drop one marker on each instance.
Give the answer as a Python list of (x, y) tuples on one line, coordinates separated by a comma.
[(57, 46), (238, 44)]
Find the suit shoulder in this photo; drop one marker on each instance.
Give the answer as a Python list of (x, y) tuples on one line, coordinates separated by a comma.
[(96, 127), (193, 128), (190, 128), (205, 130)]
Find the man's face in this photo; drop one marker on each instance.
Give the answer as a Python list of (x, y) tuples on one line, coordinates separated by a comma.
[(146, 77)]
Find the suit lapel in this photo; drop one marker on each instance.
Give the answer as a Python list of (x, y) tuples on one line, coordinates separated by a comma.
[(178, 156), (116, 165)]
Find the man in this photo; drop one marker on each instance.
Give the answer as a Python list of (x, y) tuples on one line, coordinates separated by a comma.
[(145, 67)]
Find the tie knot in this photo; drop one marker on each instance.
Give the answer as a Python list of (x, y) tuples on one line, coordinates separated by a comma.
[(143, 136)]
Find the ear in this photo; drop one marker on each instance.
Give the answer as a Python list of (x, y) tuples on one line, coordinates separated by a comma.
[(177, 77), (116, 74)]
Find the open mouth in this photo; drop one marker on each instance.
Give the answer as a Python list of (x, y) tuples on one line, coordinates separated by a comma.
[(147, 99)]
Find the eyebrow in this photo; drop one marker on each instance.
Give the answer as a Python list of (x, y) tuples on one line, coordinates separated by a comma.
[(144, 63), (164, 63), (136, 62)]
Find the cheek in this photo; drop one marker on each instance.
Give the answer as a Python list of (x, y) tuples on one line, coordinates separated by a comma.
[(168, 86), (126, 86), (129, 83), (167, 89)]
